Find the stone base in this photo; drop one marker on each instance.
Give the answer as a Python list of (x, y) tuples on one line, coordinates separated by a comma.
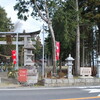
[(70, 76)]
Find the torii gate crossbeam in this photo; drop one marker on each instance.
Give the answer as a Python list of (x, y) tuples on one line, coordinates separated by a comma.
[(18, 34)]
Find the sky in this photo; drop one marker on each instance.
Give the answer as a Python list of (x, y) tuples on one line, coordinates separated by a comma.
[(30, 25)]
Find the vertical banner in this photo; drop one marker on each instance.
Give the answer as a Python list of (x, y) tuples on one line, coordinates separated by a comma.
[(57, 50), (14, 56)]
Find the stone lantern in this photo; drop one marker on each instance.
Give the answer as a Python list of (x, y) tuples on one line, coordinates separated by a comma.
[(98, 67), (28, 53), (32, 72), (69, 64)]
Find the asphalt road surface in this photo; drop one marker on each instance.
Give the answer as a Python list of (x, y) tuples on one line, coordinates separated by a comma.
[(57, 93)]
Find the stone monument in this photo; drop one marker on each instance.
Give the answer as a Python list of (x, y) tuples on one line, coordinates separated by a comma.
[(69, 64), (32, 75), (28, 55)]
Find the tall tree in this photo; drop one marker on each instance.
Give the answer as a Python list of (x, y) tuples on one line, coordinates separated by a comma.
[(5, 23), (91, 14), (77, 61), (43, 8), (61, 20), (38, 51), (5, 26), (64, 24)]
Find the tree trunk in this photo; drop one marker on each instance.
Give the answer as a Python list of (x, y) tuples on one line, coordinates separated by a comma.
[(77, 62), (47, 19), (53, 47), (98, 39), (83, 54)]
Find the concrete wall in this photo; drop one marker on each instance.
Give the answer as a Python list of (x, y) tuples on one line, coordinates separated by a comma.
[(72, 82)]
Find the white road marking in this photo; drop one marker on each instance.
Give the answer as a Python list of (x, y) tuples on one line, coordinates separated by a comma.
[(93, 90), (38, 88), (99, 95), (89, 87), (45, 88)]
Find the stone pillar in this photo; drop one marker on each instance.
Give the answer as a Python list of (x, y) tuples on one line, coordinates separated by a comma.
[(25, 50), (98, 67), (69, 64)]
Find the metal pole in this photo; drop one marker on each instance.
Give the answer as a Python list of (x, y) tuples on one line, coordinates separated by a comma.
[(43, 55), (17, 50), (83, 52)]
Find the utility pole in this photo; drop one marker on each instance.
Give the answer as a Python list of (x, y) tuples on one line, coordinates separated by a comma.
[(17, 51), (77, 62), (43, 55)]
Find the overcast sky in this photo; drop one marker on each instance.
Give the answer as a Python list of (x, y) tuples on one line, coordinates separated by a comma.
[(31, 24), (8, 6)]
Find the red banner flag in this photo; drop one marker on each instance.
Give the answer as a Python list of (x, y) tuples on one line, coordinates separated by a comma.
[(14, 56), (57, 50)]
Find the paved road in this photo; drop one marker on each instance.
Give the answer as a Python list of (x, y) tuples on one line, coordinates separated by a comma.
[(84, 93)]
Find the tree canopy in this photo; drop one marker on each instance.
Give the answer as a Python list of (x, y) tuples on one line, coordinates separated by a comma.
[(45, 10), (5, 23), (5, 26), (61, 17), (64, 24)]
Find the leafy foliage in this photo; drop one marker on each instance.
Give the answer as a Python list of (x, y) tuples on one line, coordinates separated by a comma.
[(5, 26), (24, 7), (5, 23), (63, 14), (64, 25), (38, 51), (45, 10)]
